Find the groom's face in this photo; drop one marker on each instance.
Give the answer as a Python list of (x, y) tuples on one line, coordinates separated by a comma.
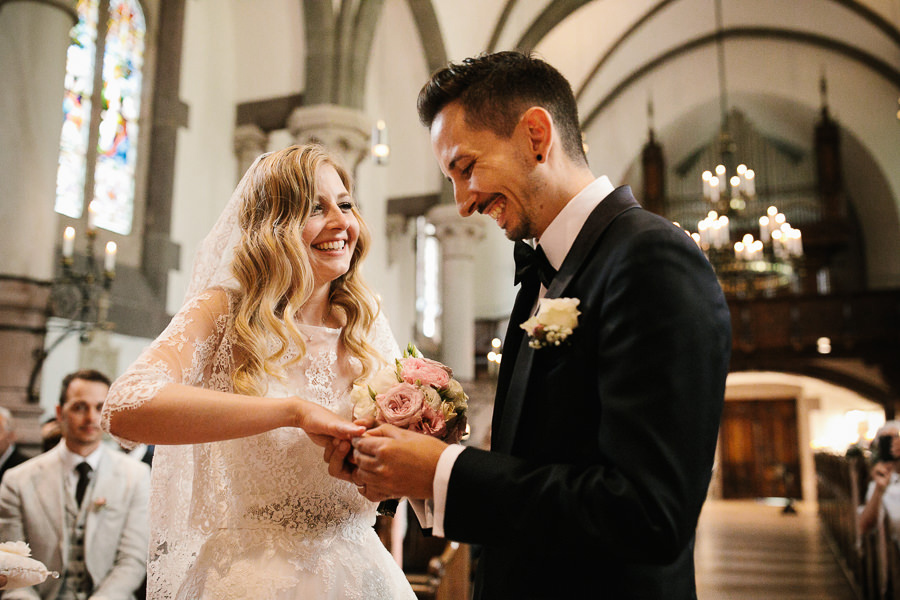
[(491, 174)]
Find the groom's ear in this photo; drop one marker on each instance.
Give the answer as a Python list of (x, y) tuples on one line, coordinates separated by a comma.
[(538, 130)]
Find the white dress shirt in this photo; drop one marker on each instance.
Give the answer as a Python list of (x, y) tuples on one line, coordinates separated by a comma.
[(556, 241), (70, 460)]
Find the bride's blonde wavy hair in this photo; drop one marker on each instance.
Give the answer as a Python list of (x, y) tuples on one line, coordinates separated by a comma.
[(272, 267)]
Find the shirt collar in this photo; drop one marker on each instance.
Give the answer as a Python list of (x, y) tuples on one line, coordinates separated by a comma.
[(559, 236), (70, 459)]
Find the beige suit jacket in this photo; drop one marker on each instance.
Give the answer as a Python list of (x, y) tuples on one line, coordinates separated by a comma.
[(32, 509)]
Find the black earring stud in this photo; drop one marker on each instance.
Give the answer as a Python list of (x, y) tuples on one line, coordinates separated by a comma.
[(540, 158)]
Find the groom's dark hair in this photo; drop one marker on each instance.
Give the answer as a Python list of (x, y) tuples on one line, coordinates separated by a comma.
[(496, 89)]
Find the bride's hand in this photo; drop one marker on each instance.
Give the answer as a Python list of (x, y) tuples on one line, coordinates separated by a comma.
[(338, 454), (322, 425)]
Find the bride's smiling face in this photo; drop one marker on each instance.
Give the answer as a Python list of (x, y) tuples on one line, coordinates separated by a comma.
[(331, 232)]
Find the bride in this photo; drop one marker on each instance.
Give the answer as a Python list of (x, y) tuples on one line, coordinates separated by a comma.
[(251, 374)]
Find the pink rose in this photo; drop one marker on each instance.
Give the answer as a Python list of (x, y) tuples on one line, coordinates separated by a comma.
[(401, 405), (425, 371), (432, 422)]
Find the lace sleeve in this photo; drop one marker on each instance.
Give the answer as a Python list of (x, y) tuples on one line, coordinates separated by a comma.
[(186, 352)]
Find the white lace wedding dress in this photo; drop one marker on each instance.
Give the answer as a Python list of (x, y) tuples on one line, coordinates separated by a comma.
[(257, 517)]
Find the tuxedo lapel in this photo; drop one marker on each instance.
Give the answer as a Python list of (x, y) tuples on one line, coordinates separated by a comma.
[(511, 395), (617, 202), (512, 347)]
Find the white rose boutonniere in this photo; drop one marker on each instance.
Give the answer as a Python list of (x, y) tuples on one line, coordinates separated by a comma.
[(555, 321)]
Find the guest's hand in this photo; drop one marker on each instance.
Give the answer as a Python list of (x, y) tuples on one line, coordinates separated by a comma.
[(881, 475), (393, 463), (322, 425)]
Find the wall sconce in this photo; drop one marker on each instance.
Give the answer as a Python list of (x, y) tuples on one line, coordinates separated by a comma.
[(79, 294), (380, 148)]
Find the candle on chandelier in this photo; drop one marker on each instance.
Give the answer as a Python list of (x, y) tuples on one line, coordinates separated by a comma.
[(702, 233), (707, 175), (713, 189), (92, 216), (796, 242), (68, 245), (764, 229), (109, 263), (749, 182)]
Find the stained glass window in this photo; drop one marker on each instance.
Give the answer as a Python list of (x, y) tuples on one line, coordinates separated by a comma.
[(102, 112)]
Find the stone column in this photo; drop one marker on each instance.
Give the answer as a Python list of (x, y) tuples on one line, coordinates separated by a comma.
[(344, 131), (34, 37), (459, 239), (249, 142)]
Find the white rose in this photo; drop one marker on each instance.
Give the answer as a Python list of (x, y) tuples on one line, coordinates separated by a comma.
[(363, 404), (384, 379), (561, 312), (457, 394), (432, 396), (530, 325)]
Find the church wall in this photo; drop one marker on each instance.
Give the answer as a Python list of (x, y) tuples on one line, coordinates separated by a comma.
[(395, 71), (269, 48), (205, 166)]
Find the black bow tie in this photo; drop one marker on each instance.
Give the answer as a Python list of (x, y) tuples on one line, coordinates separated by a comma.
[(532, 262)]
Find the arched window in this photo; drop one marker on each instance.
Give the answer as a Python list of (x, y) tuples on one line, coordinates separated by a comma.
[(98, 144)]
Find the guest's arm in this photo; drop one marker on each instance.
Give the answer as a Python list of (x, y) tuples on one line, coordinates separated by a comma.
[(871, 512)]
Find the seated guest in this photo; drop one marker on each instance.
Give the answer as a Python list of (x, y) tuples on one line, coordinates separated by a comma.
[(50, 434), (81, 507), (883, 495), (10, 456)]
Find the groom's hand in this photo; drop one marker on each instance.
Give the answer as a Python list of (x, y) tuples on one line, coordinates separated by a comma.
[(393, 463)]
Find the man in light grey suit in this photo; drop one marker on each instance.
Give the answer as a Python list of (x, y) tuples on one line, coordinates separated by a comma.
[(81, 507)]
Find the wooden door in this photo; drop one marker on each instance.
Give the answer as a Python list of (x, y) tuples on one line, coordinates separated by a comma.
[(759, 449)]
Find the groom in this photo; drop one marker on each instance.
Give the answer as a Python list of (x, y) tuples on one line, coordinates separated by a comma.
[(602, 447)]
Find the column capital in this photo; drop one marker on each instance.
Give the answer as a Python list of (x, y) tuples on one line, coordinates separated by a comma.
[(249, 138), (458, 235), (343, 130), (249, 142)]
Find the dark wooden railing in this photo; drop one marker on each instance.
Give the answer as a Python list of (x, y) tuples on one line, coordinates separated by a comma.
[(820, 335), (853, 322)]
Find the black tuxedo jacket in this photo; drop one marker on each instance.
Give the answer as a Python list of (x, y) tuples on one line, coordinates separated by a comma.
[(602, 448)]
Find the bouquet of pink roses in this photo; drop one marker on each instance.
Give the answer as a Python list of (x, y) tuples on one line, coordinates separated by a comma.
[(416, 393)]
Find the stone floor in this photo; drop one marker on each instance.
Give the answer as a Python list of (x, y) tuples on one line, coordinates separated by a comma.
[(749, 550)]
